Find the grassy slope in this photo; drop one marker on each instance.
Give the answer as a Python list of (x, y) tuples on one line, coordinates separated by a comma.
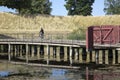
[(14, 23)]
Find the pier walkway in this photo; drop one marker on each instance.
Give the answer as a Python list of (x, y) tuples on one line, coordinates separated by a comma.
[(56, 48)]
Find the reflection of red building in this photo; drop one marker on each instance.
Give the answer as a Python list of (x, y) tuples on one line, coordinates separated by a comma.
[(102, 35), (106, 76)]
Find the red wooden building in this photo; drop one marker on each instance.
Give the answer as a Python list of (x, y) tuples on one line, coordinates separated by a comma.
[(105, 34)]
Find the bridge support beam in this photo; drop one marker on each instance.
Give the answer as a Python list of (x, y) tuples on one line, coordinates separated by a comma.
[(26, 53), (103, 56), (54, 52), (84, 54), (71, 61), (18, 50), (9, 52), (33, 51), (73, 53), (68, 53), (38, 52), (90, 55), (14, 51), (61, 53), (97, 56), (2, 48), (110, 56), (48, 54), (21, 52), (42, 51), (116, 56), (77, 54)]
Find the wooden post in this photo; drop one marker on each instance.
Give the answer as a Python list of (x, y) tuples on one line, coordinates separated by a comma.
[(0, 48), (97, 56), (61, 53), (21, 51), (26, 53), (18, 50), (68, 53), (48, 54), (78, 54), (9, 53), (11, 50), (33, 51), (110, 56), (90, 52), (42, 51), (38, 52), (73, 53), (54, 52), (65, 54), (116, 56), (15, 46), (71, 61), (84, 54), (14, 51), (103, 56), (58, 54)]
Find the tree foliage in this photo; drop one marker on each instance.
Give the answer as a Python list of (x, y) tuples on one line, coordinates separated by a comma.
[(15, 4), (28, 6), (112, 7), (79, 7), (38, 7)]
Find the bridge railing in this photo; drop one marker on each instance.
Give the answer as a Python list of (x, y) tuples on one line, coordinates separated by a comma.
[(30, 37), (33, 36)]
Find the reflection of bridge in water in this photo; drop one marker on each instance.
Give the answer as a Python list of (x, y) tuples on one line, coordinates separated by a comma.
[(52, 50)]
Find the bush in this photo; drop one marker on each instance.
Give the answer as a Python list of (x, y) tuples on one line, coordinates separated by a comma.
[(78, 34)]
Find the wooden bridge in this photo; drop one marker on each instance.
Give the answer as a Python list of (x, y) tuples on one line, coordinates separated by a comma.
[(28, 47)]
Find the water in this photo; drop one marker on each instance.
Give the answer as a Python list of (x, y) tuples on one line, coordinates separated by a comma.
[(4, 73), (41, 73), (48, 74), (63, 74)]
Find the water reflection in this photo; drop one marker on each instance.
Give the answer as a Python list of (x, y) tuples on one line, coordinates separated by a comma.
[(58, 74), (4, 73), (43, 74), (63, 74)]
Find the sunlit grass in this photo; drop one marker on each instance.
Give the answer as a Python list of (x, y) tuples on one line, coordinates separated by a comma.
[(16, 23)]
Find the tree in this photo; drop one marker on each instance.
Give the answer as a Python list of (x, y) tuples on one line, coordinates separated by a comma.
[(112, 7), (15, 4), (79, 7), (28, 6), (38, 7)]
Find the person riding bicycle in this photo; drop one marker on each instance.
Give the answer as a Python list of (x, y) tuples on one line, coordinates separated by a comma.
[(41, 34)]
